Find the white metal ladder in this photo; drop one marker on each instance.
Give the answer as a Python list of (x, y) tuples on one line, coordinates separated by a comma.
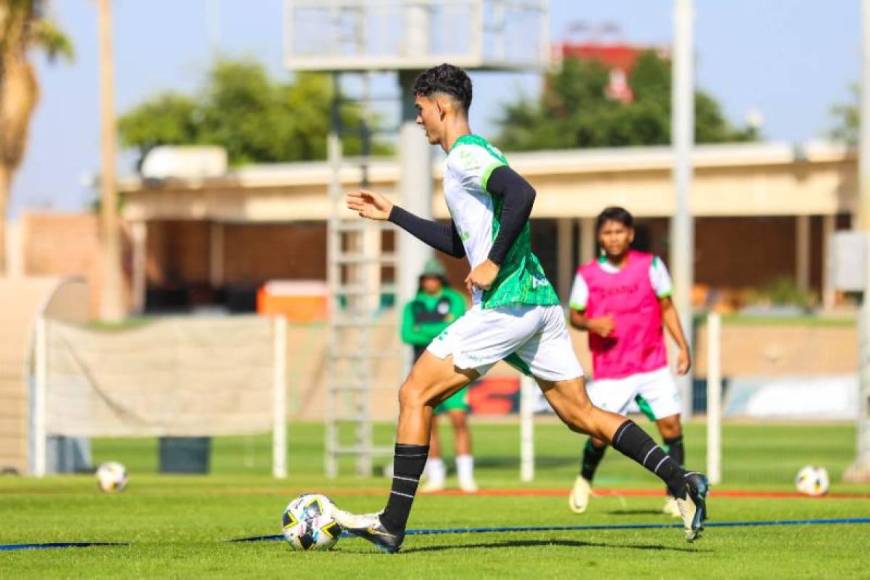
[(356, 267)]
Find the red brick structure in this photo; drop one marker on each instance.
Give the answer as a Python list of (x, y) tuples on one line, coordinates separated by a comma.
[(618, 58)]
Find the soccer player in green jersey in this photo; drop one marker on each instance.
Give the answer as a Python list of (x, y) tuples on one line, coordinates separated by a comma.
[(515, 315)]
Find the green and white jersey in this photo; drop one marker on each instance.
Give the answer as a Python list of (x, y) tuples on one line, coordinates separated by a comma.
[(476, 213)]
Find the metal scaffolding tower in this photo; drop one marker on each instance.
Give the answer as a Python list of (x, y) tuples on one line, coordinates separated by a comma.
[(359, 270)]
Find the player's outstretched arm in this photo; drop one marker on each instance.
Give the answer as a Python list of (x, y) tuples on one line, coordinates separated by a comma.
[(369, 204), (442, 237)]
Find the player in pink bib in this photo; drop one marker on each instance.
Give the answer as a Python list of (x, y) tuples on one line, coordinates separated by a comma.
[(623, 300)]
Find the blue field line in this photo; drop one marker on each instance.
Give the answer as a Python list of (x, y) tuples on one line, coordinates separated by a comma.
[(597, 527), (54, 545), (487, 530)]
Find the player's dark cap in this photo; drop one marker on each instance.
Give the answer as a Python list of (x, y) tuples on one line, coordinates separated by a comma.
[(435, 269)]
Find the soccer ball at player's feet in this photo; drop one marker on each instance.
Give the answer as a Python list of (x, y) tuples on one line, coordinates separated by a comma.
[(111, 477), (692, 502), (309, 524), (812, 480)]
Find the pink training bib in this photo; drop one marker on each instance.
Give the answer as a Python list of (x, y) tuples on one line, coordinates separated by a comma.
[(637, 344)]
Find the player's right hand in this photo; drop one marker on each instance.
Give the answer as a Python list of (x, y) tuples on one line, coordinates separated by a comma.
[(684, 361), (369, 204), (602, 326)]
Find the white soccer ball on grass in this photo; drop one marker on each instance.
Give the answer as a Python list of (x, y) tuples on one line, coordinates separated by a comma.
[(112, 477), (308, 523), (812, 480)]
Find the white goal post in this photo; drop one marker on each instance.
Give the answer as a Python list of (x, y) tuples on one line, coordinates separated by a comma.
[(714, 398), (528, 392), (173, 376)]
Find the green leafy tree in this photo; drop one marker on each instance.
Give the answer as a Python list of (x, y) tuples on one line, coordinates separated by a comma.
[(167, 119), (847, 119), (255, 118), (575, 111), (24, 29)]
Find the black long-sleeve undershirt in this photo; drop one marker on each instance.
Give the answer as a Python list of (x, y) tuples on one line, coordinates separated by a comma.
[(518, 198), (443, 237)]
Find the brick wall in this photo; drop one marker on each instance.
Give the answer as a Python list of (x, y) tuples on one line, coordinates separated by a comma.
[(731, 252), (274, 251), (178, 252), (60, 244), (743, 252), (67, 244), (56, 244)]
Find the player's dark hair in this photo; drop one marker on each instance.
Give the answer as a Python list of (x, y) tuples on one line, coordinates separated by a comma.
[(614, 214), (448, 79)]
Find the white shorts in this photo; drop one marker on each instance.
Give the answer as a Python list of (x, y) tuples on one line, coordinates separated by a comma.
[(656, 387), (534, 339)]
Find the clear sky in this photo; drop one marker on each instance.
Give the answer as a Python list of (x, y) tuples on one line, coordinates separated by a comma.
[(789, 59)]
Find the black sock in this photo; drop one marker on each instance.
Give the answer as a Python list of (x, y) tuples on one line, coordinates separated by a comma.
[(674, 447), (592, 456), (408, 464), (633, 442)]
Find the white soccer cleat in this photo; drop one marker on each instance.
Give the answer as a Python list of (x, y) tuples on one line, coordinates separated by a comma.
[(432, 485), (369, 527), (693, 506), (351, 521), (434, 476), (671, 508), (578, 500), (468, 485)]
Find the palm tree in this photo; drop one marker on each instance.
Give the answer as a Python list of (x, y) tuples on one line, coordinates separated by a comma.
[(24, 27)]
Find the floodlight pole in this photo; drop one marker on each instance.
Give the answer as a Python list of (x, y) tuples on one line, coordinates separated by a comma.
[(415, 156), (415, 185), (682, 222), (859, 471), (213, 9), (111, 301)]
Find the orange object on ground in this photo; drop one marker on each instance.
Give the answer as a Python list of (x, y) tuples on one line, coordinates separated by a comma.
[(297, 301)]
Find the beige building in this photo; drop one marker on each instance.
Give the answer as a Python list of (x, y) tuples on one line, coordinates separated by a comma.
[(763, 214)]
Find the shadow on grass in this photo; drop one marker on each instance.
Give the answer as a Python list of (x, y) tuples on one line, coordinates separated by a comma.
[(541, 462), (634, 513), (560, 543)]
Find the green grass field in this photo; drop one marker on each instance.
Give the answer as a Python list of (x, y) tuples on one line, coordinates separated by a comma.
[(178, 526)]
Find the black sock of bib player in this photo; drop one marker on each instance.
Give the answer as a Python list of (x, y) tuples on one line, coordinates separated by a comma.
[(408, 464), (592, 456), (633, 442), (674, 448)]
